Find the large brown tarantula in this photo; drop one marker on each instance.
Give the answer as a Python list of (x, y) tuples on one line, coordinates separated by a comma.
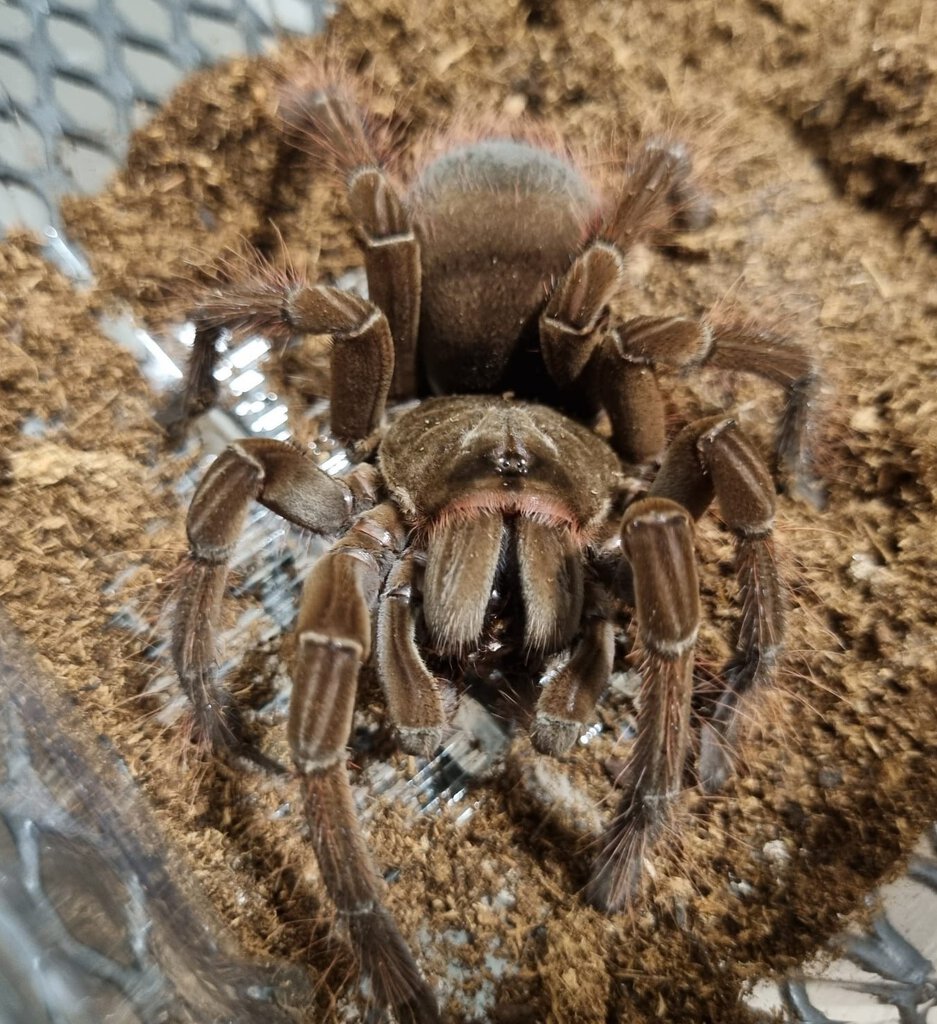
[(493, 273)]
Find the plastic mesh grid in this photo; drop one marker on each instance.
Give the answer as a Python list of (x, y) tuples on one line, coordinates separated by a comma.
[(92, 927), (79, 75)]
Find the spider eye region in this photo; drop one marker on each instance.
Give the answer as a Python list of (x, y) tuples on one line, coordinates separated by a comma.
[(511, 462)]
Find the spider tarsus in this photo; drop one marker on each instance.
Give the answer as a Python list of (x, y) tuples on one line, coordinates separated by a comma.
[(793, 458), (386, 961), (423, 742), (199, 390), (175, 419), (716, 761), (693, 209), (552, 735), (218, 721), (800, 485), (220, 727), (618, 873), (181, 408), (324, 120), (355, 886), (754, 665)]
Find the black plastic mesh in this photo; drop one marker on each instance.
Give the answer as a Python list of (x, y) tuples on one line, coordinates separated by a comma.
[(77, 76)]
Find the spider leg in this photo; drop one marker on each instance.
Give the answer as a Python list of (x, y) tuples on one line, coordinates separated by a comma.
[(638, 346), (615, 362), (330, 125), (574, 680), (658, 188), (392, 263), (713, 456), (580, 354), (279, 304), (571, 322), (362, 356), (657, 539), (281, 477), (334, 632), (199, 390), (412, 691)]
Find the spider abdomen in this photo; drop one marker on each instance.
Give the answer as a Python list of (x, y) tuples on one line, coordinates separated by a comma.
[(497, 220)]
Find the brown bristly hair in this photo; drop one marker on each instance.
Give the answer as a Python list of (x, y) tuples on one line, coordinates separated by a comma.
[(466, 129), (245, 291), (337, 148)]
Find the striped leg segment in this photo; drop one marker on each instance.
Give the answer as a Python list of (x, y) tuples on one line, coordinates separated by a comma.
[(713, 457), (334, 630), (658, 190), (681, 343), (392, 263), (330, 126), (280, 304), (287, 481), (414, 697), (571, 322), (657, 539)]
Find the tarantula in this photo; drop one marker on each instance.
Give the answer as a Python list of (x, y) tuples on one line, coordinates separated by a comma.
[(494, 273)]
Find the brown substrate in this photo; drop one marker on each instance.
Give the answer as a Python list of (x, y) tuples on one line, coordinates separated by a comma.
[(838, 772)]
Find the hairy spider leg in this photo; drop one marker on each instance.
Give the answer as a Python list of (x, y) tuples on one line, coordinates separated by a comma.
[(334, 630), (713, 457), (616, 360), (288, 482), (657, 540), (362, 357), (656, 188), (328, 123), (683, 343)]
